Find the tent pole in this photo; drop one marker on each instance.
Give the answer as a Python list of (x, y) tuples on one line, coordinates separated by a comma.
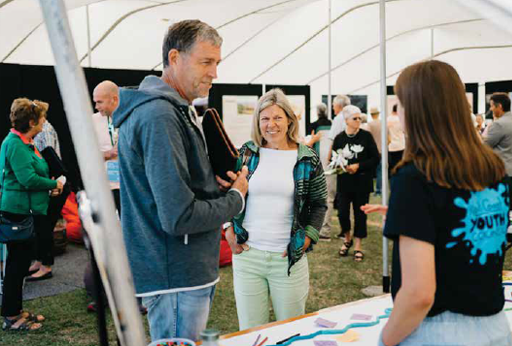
[(432, 43), (384, 139), (88, 36), (329, 67), (104, 227)]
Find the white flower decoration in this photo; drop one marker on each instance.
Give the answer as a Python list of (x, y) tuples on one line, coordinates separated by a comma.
[(357, 149)]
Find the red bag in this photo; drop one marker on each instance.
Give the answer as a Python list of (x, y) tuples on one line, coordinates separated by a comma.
[(225, 252), (70, 214)]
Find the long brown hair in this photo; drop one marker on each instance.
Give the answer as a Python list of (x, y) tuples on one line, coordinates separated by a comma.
[(440, 139)]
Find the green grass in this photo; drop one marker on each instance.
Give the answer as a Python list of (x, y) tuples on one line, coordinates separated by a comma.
[(333, 281)]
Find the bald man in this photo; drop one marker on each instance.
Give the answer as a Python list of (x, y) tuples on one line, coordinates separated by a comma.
[(106, 100)]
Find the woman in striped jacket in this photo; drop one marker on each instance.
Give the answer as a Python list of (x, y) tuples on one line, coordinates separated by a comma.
[(285, 209)]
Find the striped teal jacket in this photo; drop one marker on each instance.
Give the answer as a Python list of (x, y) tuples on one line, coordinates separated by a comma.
[(309, 201)]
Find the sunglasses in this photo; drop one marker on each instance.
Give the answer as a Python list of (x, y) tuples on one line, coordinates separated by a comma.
[(356, 118)]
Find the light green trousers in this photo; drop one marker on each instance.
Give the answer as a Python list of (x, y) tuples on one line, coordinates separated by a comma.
[(260, 275)]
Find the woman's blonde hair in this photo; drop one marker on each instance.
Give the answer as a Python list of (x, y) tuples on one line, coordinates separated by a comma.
[(24, 110), (270, 98), (441, 140)]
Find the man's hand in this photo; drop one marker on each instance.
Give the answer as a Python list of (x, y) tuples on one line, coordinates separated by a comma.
[(241, 183), (226, 185), (352, 169), (231, 238), (110, 154)]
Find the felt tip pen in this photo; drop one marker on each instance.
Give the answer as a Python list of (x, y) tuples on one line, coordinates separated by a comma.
[(285, 340)]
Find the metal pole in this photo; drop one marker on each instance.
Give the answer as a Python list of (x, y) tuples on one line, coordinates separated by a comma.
[(432, 43), (104, 228), (329, 64), (88, 36), (384, 137)]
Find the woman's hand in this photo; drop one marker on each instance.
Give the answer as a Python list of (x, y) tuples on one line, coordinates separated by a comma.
[(352, 169), (374, 208), (307, 242), (231, 238), (58, 190)]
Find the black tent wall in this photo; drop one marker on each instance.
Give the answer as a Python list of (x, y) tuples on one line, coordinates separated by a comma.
[(39, 82)]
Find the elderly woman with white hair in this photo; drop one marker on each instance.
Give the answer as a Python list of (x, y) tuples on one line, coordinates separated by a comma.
[(285, 208), (359, 150)]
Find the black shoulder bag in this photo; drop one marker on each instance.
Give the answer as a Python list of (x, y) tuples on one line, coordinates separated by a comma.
[(11, 231)]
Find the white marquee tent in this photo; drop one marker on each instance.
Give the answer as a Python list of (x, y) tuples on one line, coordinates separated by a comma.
[(266, 42), (273, 41)]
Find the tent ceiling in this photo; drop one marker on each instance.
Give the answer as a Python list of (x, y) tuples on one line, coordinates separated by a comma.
[(271, 41)]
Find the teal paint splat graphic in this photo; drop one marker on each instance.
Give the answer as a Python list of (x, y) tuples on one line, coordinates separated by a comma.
[(485, 224)]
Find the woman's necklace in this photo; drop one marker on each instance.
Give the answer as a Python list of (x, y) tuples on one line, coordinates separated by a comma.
[(352, 135)]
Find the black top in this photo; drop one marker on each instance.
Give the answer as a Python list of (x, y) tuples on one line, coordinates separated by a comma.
[(358, 149), (468, 230), (320, 123)]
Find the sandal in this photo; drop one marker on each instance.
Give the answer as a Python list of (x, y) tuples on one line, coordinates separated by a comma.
[(20, 324), (358, 256), (346, 246), (32, 317)]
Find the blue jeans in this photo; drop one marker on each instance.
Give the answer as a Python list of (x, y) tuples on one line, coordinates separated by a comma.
[(451, 329), (179, 315), (378, 187)]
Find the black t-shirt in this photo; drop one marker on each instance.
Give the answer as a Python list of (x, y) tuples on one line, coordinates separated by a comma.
[(468, 230), (361, 149)]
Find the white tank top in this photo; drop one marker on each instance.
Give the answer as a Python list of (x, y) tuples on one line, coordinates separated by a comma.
[(269, 210)]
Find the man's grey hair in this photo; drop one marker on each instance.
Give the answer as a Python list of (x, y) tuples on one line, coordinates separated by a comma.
[(321, 110), (183, 35), (341, 100)]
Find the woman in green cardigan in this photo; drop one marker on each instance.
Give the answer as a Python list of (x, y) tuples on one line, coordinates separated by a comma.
[(26, 187)]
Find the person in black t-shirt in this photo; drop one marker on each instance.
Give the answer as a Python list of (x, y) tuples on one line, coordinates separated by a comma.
[(448, 219), (358, 148)]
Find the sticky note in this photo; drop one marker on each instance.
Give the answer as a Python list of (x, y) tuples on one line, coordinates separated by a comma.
[(325, 343), (361, 317), (325, 323), (348, 336)]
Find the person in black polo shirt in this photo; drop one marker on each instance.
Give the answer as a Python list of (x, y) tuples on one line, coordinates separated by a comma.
[(358, 148), (448, 218)]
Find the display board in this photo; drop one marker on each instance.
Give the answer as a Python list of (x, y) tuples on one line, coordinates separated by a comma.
[(237, 112), (235, 104), (39, 82), (360, 101)]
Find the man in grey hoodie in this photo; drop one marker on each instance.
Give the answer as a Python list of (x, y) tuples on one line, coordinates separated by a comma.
[(172, 206)]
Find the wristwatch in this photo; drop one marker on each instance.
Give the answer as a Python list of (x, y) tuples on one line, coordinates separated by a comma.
[(226, 225)]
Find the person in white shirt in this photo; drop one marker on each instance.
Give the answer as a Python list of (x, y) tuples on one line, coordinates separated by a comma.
[(338, 123), (106, 100), (397, 139)]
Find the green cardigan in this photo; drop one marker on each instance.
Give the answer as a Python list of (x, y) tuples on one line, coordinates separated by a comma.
[(26, 176)]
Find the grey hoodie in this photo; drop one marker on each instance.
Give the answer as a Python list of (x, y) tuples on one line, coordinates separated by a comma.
[(168, 190)]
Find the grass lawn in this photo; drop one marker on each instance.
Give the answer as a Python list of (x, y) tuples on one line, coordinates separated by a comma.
[(333, 281)]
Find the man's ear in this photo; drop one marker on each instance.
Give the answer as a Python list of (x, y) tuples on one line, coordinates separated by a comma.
[(173, 56)]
